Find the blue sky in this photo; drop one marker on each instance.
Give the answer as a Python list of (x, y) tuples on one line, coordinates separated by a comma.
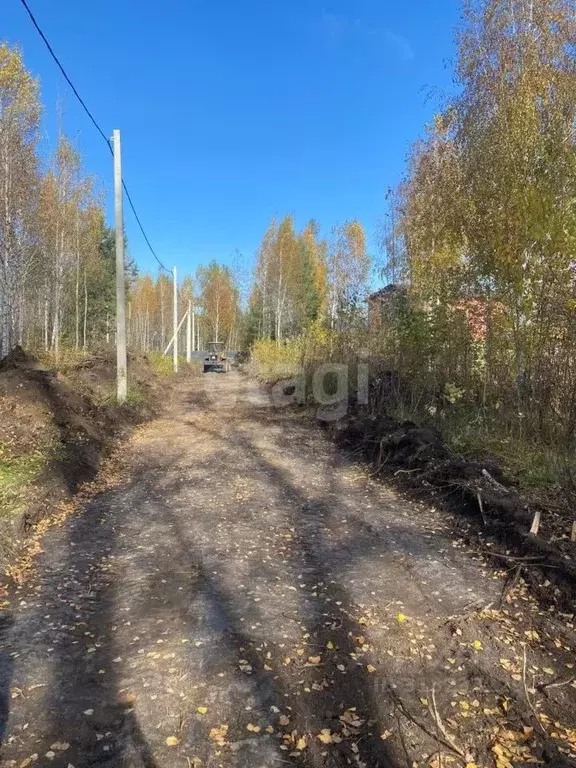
[(232, 112)]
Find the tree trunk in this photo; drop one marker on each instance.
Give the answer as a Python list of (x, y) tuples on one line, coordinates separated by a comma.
[(46, 323), (77, 287), (162, 319), (84, 341), (217, 327)]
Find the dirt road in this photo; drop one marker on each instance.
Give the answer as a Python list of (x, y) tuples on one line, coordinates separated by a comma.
[(245, 595)]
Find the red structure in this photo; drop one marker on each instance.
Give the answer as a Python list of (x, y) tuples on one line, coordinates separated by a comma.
[(384, 304)]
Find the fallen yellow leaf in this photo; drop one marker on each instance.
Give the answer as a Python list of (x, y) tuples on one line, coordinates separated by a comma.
[(172, 741), (127, 698)]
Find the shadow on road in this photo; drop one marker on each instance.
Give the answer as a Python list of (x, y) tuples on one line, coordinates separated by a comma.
[(82, 718), (147, 555)]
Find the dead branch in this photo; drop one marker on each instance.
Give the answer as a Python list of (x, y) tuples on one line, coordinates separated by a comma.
[(509, 585), (424, 728), (509, 557), (481, 508), (403, 741), (543, 687), (440, 725), (527, 694), (494, 483), (534, 528)]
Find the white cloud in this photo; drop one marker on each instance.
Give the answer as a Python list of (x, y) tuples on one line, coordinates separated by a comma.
[(402, 45), (333, 25), (337, 26)]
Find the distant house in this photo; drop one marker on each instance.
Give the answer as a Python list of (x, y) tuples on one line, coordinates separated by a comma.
[(478, 311), (475, 310), (384, 304)]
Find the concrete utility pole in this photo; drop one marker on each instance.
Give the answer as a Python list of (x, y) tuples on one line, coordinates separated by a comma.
[(193, 330), (189, 334), (121, 366), (175, 347)]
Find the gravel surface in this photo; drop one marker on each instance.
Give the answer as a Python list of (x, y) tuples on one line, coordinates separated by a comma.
[(246, 595)]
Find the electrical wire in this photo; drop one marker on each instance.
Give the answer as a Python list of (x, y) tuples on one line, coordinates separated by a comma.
[(94, 122), (144, 235)]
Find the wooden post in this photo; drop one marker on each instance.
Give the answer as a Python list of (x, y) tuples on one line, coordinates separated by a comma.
[(180, 324)]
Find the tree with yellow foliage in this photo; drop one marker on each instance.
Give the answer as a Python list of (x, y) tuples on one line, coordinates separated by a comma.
[(19, 119), (348, 267), (219, 302), (488, 222)]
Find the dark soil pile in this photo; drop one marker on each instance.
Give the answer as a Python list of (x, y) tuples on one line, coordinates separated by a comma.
[(417, 459), (71, 418)]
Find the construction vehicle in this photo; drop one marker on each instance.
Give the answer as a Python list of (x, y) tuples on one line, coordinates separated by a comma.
[(216, 358)]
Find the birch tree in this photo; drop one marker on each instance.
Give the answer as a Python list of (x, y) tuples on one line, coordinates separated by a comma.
[(219, 301), (19, 118), (348, 268)]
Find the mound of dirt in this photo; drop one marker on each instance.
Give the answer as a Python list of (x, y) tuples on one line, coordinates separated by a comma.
[(69, 418), (417, 459), (15, 358)]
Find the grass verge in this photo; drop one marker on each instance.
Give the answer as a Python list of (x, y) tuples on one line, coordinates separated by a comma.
[(16, 474)]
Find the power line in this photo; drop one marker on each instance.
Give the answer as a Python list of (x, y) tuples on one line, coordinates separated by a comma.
[(94, 122), (61, 68), (144, 235)]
